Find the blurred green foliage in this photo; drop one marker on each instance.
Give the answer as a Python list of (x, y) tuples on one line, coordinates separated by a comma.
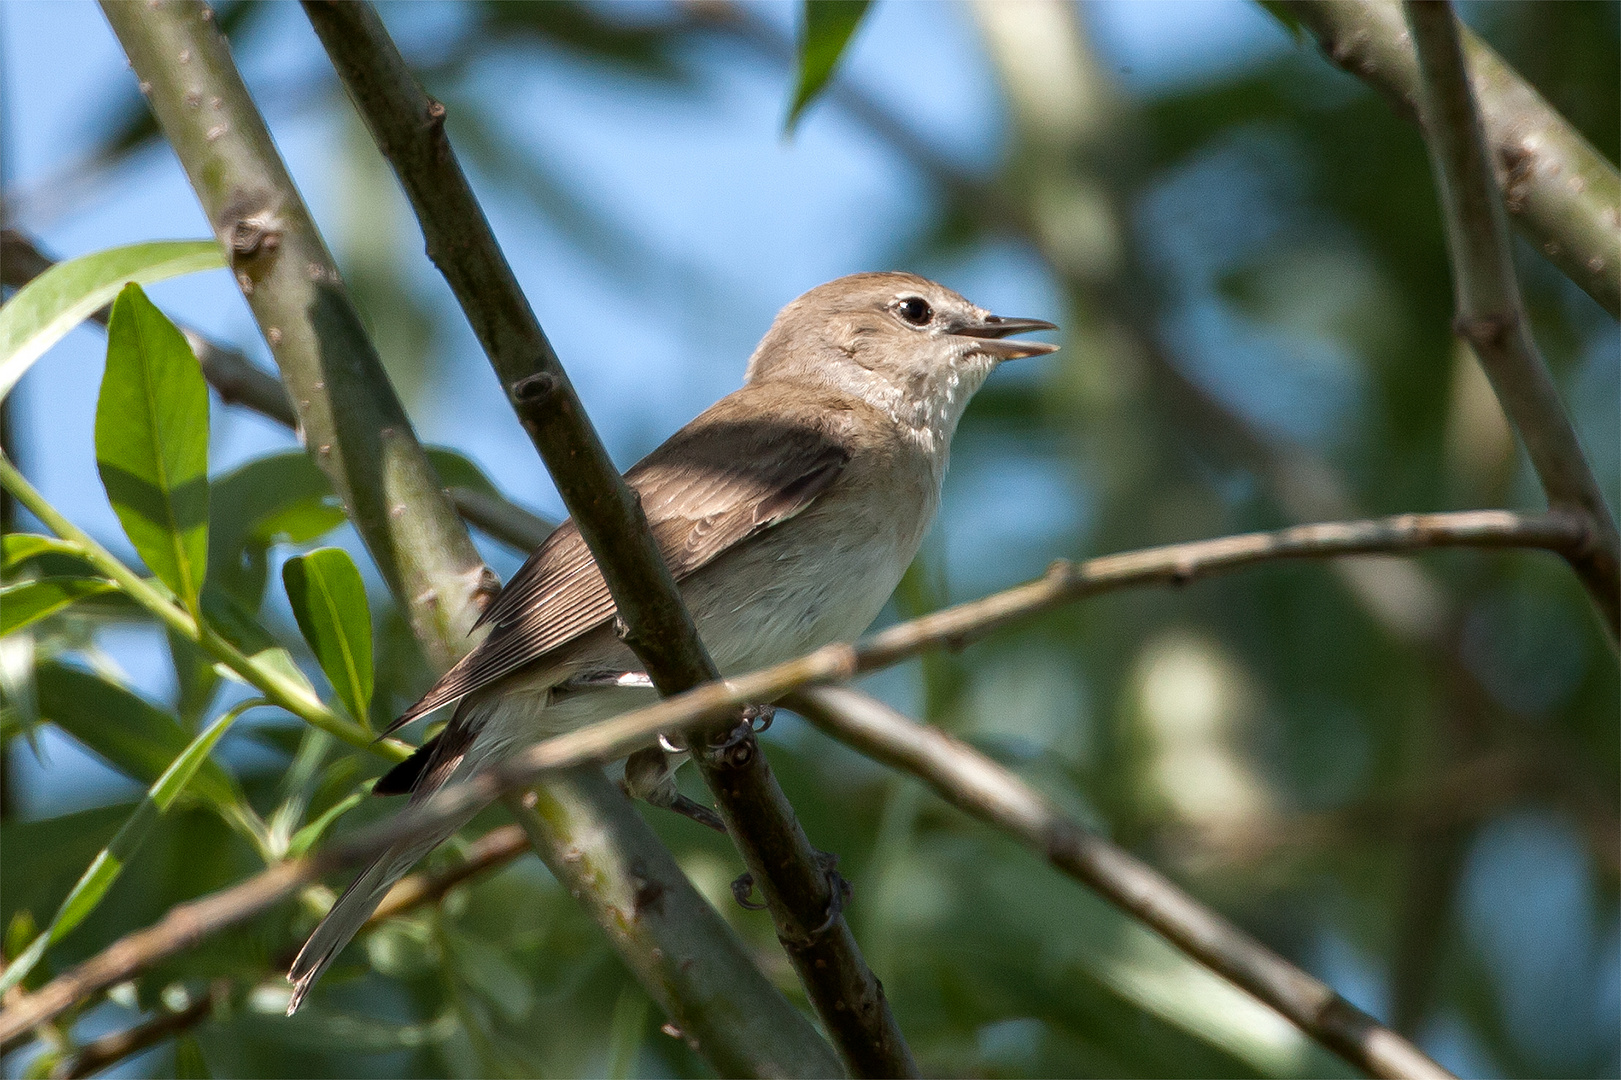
[(1403, 776)]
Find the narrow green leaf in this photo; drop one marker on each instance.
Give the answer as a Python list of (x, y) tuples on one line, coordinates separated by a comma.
[(826, 29), (45, 309), (152, 443), (29, 601), (306, 837), (18, 548), (110, 861), (329, 601), (133, 736)]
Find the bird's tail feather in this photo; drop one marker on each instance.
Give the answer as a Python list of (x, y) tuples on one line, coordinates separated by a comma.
[(454, 759)]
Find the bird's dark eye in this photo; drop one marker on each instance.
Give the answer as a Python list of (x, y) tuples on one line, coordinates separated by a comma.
[(915, 310)]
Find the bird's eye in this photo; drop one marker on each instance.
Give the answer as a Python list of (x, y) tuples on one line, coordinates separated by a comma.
[(915, 310)]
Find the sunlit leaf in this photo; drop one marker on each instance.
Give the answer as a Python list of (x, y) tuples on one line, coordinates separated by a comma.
[(110, 861), (152, 443), (825, 30), (65, 295), (18, 548), (29, 601)]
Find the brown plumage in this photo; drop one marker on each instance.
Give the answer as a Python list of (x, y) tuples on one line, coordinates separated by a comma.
[(787, 512)]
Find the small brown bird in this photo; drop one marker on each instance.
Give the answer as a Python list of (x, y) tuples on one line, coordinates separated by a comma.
[(787, 511)]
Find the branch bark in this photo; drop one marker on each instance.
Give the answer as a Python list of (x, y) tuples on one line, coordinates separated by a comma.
[(953, 627), (1562, 194), (353, 421), (979, 786), (1491, 313), (408, 128)]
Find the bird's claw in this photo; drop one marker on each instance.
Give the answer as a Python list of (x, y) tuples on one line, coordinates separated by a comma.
[(838, 891)]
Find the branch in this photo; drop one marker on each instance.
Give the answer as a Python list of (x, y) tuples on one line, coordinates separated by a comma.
[(1491, 313), (1564, 196), (974, 783), (109, 1050), (352, 420), (349, 415), (409, 130), (952, 627)]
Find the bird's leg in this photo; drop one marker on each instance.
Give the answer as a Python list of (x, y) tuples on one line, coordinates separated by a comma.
[(650, 776)]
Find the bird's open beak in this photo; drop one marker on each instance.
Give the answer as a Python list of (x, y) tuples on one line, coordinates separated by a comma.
[(993, 330)]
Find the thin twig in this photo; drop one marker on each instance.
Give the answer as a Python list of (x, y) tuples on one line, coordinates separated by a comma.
[(409, 129), (353, 423), (109, 1050), (1563, 195), (1176, 564), (1491, 313), (974, 783)]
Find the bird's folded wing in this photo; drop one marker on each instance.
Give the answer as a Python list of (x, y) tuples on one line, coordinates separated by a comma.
[(707, 489)]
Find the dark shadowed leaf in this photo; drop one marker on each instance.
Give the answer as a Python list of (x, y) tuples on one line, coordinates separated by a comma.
[(152, 443), (329, 601), (826, 28), (104, 869), (135, 737), (29, 601)]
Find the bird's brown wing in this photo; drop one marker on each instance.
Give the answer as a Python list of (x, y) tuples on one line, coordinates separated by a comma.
[(711, 486)]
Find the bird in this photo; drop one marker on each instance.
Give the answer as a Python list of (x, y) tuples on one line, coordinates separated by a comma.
[(786, 512)]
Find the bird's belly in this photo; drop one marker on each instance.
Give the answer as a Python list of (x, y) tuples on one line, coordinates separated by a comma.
[(779, 600)]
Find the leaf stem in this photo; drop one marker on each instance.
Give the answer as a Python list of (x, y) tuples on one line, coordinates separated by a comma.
[(277, 688)]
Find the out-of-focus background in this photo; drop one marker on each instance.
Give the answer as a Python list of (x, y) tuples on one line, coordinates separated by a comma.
[(1402, 775)]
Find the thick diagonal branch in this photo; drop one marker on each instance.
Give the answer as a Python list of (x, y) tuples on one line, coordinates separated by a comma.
[(1491, 313), (1562, 194), (408, 127), (974, 783)]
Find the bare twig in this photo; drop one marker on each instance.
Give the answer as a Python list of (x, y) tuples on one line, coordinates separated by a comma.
[(1491, 313), (1564, 197), (974, 783), (109, 1050), (409, 130), (952, 627)]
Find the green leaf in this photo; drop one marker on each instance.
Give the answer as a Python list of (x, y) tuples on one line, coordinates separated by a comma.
[(275, 499), (152, 443), (18, 548), (239, 628), (329, 601), (45, 309), (826, 28), (285, 499), (133, 736), (29, 601), (110, 861), (306, 837)]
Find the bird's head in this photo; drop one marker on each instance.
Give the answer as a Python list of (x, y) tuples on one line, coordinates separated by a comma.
[(903, 343)]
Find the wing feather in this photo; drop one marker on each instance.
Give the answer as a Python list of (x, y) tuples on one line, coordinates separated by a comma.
[(713, 485)]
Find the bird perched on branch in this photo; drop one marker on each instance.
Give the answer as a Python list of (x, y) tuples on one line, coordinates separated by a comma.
[(787, 511)]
